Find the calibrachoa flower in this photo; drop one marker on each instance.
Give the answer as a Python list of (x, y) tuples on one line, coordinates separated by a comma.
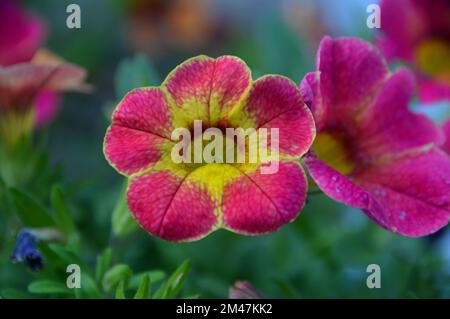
[(182, 202), (22, 35), (371, 152), (28, 92), (418, 32)]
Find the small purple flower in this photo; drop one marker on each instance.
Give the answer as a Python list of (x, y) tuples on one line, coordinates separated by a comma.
[(26, 251)]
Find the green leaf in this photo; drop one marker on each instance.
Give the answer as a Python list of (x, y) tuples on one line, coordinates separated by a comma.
[(49, 287), (113, 276), (120, 294), (66, 255), (63, 217), (155, 276), (143, 291), (102, 265), (123, 222), (134, 73), (30, 211), (14, 294), (89, 288), (173, 285)]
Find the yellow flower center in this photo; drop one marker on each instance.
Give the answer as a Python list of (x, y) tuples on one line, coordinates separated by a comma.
[(433, 59), (332, 149)]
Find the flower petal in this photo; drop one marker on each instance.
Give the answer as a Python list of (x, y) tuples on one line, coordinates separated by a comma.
[(171, 207), (432, 91), (20, 83), (351, 72), (403, 25), (388, 126), (446, 129), (412, 194), (46, 107), (334, 184), (145, 109), (257, 203), (22, 34), (140, 131), (276, 102), (131, 151), (206, 89)]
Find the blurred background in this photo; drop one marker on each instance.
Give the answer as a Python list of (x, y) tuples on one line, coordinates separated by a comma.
[(123, 44)]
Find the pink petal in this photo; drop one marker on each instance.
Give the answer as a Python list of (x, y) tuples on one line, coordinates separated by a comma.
[(208, 89), (403, 26), (20, 83), (22, 34), (351, 73), (388, 127), (335, 185), (140, 131), (432, 91), (145, 109), (412, 194), (276, 102), (46, 107), (308, 89), (260, 203), (131, 151), (446, 128), (171, 207)]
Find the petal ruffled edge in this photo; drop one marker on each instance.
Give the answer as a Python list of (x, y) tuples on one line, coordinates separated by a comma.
[(334, 184), (139, 135), (412, 194), (257, 203), (207, 89), (158, 201), (275, 102), (446, 129)]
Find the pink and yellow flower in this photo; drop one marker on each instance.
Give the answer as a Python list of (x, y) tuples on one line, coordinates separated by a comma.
[(28, 92), (418, 33), (371, 152), (29, 77), (183, 202)]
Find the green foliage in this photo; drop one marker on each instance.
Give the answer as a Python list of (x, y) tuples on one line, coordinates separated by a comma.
[(50, 287), (30, 211), (172, 287), (143, 291), (123, 222), (115, 275)]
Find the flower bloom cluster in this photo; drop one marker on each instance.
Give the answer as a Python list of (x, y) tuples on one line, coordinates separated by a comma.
[(29, 78), (371, 152)]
